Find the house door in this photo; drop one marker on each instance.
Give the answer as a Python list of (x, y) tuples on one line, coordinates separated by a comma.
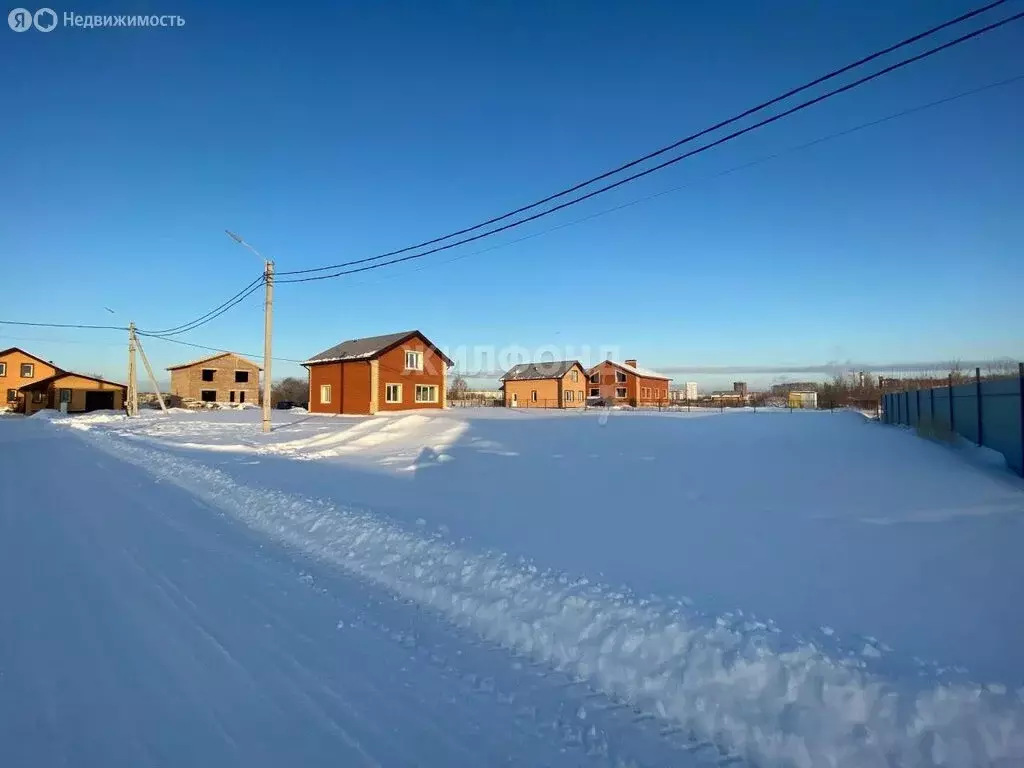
[(515, 400)]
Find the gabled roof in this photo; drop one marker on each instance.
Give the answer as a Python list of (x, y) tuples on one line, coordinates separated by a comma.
[(208, 358), (554, 369), (371, 347), (28, 354), (643, 372), (44, 383)]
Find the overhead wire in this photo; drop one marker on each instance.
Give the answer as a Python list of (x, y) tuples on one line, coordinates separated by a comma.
[(214, 349), (720, 174), (656, 153), (669, 162), (214, 313)]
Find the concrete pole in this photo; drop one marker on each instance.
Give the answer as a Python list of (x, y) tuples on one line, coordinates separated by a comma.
[(133, 384), (152, 378), (268, 324)]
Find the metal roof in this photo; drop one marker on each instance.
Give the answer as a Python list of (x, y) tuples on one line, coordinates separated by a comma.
[(368, 348), (554, 369)]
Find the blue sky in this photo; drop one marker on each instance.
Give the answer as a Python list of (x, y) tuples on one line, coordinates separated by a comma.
[(336, 131)]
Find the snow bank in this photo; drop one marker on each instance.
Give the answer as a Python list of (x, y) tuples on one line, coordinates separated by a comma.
[(728, 679)]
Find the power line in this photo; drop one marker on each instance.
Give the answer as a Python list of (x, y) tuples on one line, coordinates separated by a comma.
[(720, 174), (67, 325), (667, 148), (213, 313), (671, 161), (212, 349)]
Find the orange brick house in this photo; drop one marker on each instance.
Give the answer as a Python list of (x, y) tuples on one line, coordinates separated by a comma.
[(625, 382), (395, 372), (18, 368), (558, 384)]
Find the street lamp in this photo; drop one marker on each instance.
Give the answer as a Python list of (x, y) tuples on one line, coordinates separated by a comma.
[(268, 319)]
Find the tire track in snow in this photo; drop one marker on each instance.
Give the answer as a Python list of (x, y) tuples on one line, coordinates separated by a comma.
[(724, 682)]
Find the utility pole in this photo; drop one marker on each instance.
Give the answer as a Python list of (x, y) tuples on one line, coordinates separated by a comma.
[(133, 385), (268, 325)]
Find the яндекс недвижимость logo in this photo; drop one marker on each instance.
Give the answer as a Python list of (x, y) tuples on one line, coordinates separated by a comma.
[(22, 19)]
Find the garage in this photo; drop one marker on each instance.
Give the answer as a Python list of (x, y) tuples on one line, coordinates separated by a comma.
[(99, 401), (73, 393)]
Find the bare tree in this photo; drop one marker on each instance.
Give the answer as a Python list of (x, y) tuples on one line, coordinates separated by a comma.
[(291, 389), (457, 387), (1003, 368)]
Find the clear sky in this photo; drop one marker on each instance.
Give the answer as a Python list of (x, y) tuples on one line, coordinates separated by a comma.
[(324, 132)]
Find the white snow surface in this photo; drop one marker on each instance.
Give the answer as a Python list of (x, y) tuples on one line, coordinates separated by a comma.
[(793, 589)]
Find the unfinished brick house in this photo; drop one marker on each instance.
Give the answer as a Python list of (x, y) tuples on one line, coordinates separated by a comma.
[(394, 372), (626, 383), (558, 384), (221, 378)]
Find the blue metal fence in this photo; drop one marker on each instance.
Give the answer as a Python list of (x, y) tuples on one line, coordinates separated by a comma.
[(986, 412)]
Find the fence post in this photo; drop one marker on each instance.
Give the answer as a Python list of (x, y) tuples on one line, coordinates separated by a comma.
[(931, 406), (1020, 399), (977, 394), (952, 419), (919, 407)]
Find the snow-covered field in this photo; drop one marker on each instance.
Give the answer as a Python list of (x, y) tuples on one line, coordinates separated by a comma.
[(606, 587)]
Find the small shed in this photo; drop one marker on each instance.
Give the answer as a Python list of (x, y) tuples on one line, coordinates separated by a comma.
[(803, 399), (79, 392)]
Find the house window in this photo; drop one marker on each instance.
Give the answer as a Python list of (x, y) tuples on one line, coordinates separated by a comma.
[(3, 369), (208, 395), (595, 392), (208, 374), (595, 378), (241, 377), (579, 395), (426, 393), (620, 392), (574, 375), (413, 360), (568, 396), (37, 396), (325, 394), (28, 370), (231, 395), (65, 395), (620, 377), (533, 395), (393, 393), (12, 395), (241, 396)]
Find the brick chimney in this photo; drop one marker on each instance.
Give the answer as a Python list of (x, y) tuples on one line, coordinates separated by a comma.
[(630, 362)]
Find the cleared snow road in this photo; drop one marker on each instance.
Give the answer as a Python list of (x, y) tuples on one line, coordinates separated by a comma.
[(141, 628)]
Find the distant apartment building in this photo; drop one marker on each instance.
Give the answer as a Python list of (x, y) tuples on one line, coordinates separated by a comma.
[(690, 391), (740, 388)]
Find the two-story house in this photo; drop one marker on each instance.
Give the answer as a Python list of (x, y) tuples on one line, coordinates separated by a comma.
[(221, 378), (556, 384), (394, 372), (18, 368), (626, 382)]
